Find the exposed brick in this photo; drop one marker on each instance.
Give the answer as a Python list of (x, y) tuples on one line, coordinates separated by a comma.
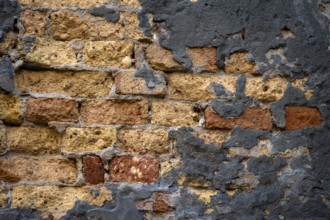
[(88, 139), (268, 91), (237, 63), (252, 118), (161, 59), (93, 169), (194, 87), (22, 168), (172, 113), (108, 53), (203, 59), (3, 198), (63, 3), (144, 141), (162, 202), (75, 84), (131, 23), (34, 22), (44, 110), (132, 3), (51, 53), (134, 169), (33, 140), (114, 112), (128, 84), (3, 139), (11, 109), (299, 117), (212, 137), (57, 198)]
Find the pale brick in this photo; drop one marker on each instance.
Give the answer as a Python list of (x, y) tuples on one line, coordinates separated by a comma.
[(3, 198), (108, 53), (57, 198), (237, 63), (252, 118), (88, 139), (132, 30), (194, 87), (62, 3), (44, 110), (33, 140), (51, 53), (3, 139), (114, 112), (22, 168), (75, 84), (212, 137), (161, 59), (11, 109), (268, 91), (172, 113), (144, 141), (134, 169), (132, 3), (128, 84), (203, 59), (34, 22)]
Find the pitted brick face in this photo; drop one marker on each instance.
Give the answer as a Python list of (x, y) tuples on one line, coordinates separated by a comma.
[(93, 169), (134, 169)]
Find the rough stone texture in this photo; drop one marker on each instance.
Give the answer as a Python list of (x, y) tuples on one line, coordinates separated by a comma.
[(75, 84), (57, 198), (132, 3), (161, 59), (51, 53), (203, 59), (252, 118), (88, 139), (34, 22), (114, 112), (212, 137), (133, 31), (299, 117), (62, 3), (134, 169), (237, 63), (33, 140), (93, 169), (172, 113), (194, 87), (23, 168), (144, 141), (8, 43), (11, 109), (162, 202), (268, 91), (3, 198), (3, 139), (128, 84), (44, 110), (108, 53)]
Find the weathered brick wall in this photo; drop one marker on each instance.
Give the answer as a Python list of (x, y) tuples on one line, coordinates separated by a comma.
[(98, 120)]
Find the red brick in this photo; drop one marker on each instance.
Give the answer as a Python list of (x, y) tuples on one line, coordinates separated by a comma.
[(298, 117), (134, 169), (93, 169), (44, 110), (161, 203), (114, 112), (252, 118)]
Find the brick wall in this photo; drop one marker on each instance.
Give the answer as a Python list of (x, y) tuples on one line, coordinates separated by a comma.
[(102, 115)]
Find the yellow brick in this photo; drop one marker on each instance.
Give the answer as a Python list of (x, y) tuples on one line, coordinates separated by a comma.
[(3, 198), (194, 87), (51, 53), (3, 139), (22, 168), (75, 84), (88, 139), (108, 53), (144, 141), (212, 137), (63, 3), (34, 140), (132, 3), (132, 30), (269, 91), (204, 195), (237, 63), (11, 109), (34, 22), (57, 198), (203, 59), (167, 166), (172, 113)]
